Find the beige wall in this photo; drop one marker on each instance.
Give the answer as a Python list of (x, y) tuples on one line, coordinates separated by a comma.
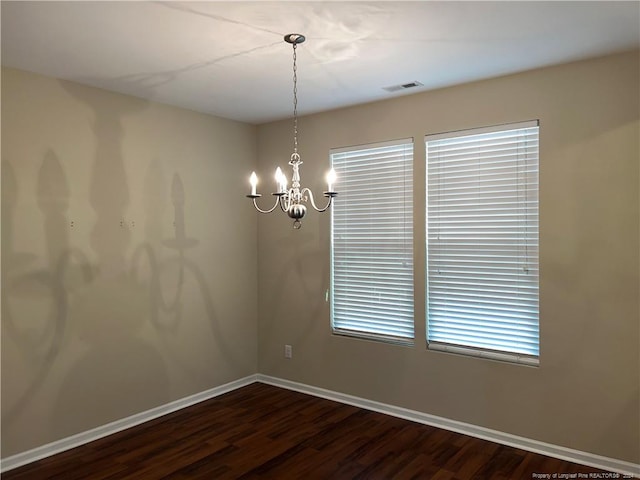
[(107, 308), (585, 394)]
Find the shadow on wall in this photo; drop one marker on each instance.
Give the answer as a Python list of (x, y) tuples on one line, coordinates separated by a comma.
[(299, 262), (89, 334), (36, 339), (169, 277)]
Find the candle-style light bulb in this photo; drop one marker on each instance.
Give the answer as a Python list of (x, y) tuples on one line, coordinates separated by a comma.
[(253, 180), (331, 178), (282, 181)]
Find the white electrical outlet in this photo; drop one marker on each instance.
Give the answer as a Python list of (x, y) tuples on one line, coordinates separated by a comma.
[(288, 353)]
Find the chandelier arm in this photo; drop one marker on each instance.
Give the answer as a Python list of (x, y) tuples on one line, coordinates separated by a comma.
[(313, 203), (255, 204)]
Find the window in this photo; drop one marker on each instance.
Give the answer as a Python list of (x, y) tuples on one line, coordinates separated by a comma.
[(482, 242), (372, 242)]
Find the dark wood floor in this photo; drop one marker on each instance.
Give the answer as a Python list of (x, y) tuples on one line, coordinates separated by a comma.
[(261, 431)]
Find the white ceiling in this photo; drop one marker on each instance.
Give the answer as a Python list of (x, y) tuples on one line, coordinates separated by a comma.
[(229, 58)]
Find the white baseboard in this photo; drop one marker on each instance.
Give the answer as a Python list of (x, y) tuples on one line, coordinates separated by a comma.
[(576, 456), (68, 443), (535, 446)]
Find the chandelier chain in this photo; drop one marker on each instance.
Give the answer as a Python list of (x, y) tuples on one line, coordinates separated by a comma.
[(295, 101)]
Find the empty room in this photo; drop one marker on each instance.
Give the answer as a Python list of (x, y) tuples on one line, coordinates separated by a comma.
[(325, 240)]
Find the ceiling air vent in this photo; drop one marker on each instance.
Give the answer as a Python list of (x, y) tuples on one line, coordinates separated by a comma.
[(403, 86)]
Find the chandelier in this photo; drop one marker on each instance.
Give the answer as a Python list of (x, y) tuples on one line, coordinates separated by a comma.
[(292, 200)]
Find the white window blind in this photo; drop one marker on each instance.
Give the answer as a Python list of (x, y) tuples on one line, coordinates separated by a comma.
[(372, 242), (482, 242)]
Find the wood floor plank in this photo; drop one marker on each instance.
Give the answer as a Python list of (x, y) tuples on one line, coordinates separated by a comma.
[(261, 431)]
